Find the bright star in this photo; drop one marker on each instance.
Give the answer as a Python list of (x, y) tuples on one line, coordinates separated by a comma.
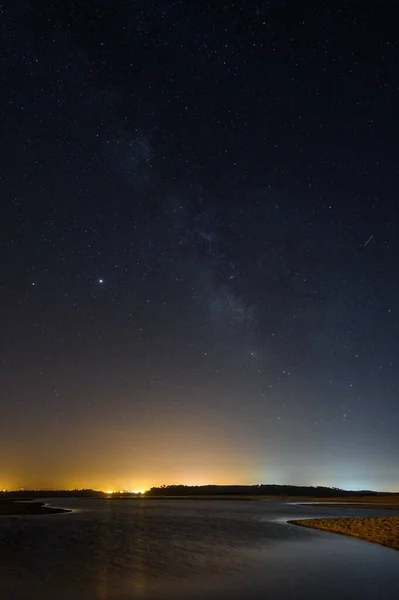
[(101, 281)]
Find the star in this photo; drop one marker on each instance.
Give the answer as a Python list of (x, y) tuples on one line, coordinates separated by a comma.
[(238, 295)]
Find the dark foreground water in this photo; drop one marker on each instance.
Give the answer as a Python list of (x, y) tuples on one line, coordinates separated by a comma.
[(121, 550)]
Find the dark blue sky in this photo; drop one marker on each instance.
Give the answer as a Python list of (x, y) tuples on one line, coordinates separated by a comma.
[(199, 244)]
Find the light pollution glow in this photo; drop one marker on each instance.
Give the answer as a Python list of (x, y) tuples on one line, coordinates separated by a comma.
[(115, 459), (175, 449)]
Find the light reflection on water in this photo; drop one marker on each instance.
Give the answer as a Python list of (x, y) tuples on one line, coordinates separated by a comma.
[(121, 550)]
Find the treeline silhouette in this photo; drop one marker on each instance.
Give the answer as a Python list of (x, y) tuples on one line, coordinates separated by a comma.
[(196, 491), (27, 494), (252, 490)]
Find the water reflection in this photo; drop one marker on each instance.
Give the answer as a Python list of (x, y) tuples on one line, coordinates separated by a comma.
[(103, 558), (120, 550), (139, 587)]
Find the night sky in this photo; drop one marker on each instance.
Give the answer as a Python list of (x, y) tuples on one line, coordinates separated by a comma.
[(199, 243)]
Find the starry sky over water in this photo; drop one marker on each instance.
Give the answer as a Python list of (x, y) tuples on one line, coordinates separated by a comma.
[(199, 244)]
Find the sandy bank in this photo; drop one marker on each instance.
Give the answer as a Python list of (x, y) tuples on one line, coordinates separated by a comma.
[(381, 530), (376, 506)]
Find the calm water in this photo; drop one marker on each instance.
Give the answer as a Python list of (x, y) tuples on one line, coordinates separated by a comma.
[(121, 550)]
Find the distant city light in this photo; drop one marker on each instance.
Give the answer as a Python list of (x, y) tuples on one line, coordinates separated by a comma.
[(124, 492)]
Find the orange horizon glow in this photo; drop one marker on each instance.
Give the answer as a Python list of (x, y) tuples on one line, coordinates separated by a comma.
[(175, 450)]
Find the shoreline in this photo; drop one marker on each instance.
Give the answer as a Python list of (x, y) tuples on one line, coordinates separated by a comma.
[(360, 505), (379, 530), (25, 508)]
